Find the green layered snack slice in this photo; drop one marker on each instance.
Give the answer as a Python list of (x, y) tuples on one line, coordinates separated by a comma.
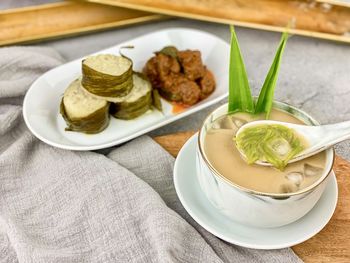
[(83, 112), (272, 143), (136, 103), (107, 75), (156, 101)]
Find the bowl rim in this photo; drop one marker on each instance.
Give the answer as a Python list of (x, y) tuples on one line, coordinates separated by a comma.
[(330, 153)]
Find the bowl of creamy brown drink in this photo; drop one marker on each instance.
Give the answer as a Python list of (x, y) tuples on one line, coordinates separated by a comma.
[(251, 194)]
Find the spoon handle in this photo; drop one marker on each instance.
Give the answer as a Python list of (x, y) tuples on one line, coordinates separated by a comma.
[(337, 132), (326, 136)]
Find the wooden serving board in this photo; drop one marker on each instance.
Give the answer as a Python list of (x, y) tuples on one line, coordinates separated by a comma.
[(332, 244), (29, 24), (328, 19)]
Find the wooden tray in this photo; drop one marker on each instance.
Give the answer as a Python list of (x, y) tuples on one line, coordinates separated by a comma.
[(55, 20), (332, 244), (327, 19)]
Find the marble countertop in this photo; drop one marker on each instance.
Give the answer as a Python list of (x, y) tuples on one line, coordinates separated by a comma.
[(314, 74)]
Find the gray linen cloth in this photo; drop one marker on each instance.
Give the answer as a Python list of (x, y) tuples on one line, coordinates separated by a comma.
[(66, 206)]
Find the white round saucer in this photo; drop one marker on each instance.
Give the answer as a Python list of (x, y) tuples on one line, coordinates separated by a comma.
[(204, 213)]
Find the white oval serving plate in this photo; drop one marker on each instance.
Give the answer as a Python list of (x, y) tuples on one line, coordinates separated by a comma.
[(204, 213), (41, 103)]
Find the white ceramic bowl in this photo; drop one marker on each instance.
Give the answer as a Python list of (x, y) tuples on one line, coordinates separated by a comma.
[(250, 207)]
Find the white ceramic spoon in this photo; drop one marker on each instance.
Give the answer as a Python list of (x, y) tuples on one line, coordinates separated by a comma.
[(319, 138)]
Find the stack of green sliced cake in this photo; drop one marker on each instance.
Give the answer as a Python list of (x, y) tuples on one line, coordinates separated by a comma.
[(108, 85)]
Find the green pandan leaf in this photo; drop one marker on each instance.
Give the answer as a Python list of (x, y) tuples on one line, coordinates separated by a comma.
[(169, 51), (265, 100), (240, 98)]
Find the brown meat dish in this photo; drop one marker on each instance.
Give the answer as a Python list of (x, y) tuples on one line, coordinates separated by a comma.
[(191, 62), (207, 84), (182, 78), (166, 65), (190, 92)]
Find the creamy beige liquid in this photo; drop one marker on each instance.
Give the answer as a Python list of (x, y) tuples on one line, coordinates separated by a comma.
[(222, 154)]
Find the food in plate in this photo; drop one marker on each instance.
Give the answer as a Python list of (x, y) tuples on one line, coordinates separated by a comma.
[(156, 102), (108, 86), (180, 76), (136, 103), (223, 154), (82, 111), (108, 82), (107, 75)]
